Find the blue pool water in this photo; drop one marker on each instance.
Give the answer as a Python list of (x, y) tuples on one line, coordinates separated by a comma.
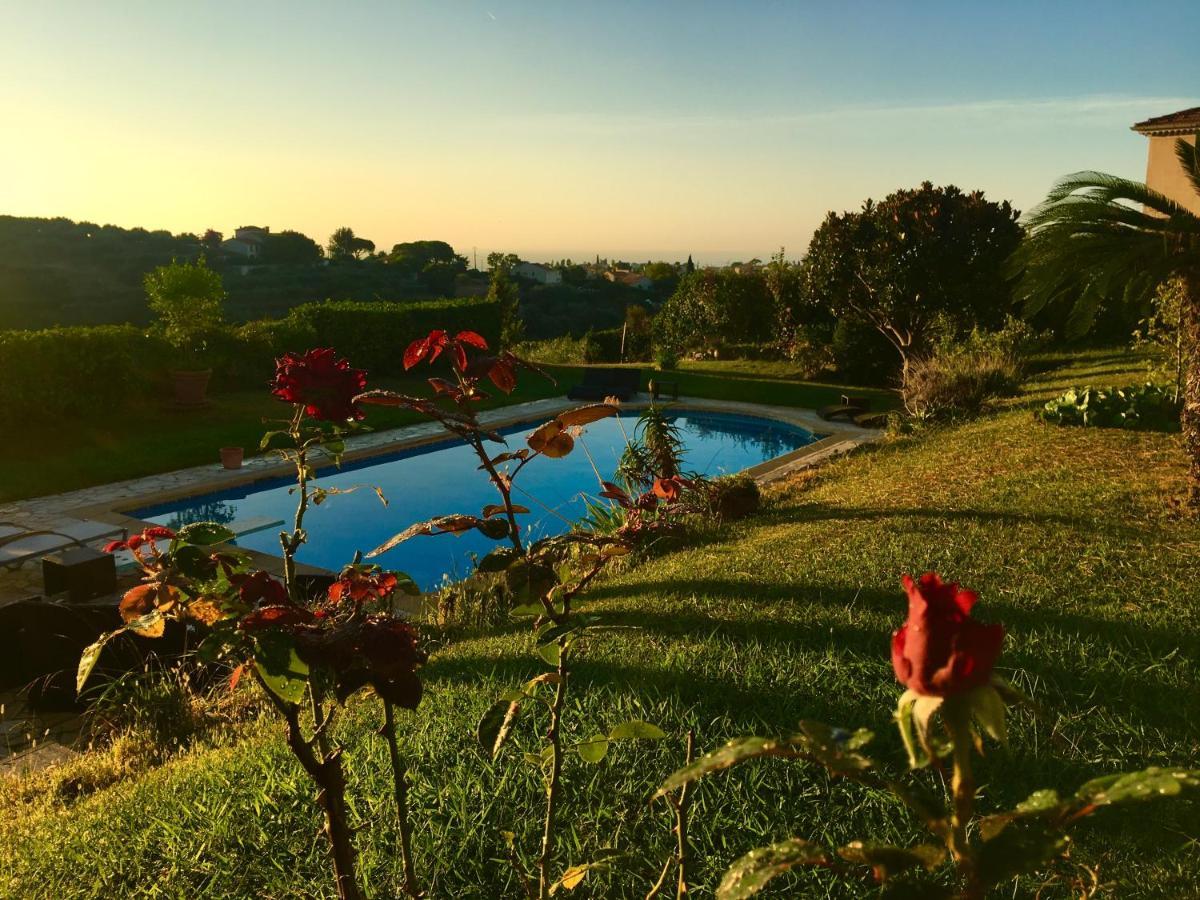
[(440, 479)]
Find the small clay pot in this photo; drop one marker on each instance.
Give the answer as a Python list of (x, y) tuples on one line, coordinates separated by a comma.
[(231, 457)]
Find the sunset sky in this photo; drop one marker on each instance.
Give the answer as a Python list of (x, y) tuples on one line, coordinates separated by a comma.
[(568, 129)]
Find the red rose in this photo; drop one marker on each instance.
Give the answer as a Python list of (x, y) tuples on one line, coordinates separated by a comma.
[(323, 383), (941, 650)]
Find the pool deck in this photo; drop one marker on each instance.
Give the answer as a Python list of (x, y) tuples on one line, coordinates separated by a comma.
[(108, 502)]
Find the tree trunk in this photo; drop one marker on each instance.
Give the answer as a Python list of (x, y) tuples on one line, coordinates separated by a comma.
[(1189, 326)]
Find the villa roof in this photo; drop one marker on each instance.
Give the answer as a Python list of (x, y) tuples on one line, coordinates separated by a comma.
[(1186, 121)]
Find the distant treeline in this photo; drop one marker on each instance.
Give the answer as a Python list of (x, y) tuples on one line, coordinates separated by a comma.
[(57, 272), (60, 272)]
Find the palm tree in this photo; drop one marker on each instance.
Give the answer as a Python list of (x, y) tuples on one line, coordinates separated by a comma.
[(1098, 237)]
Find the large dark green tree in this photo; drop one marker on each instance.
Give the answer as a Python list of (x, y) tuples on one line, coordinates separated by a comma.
[(345, 244), (1099, 238), (914, 259), (290, 248)]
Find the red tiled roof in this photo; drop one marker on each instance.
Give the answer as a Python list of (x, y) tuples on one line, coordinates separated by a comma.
[(1183, 122)]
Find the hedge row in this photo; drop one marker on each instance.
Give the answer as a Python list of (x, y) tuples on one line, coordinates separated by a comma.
[(68, 371), (374, 335)]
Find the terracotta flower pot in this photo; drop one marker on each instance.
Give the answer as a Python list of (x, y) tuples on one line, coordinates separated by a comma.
[(191, 388), (231, 457)]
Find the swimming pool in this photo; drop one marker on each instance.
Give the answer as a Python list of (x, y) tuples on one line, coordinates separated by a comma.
[(439, 479)]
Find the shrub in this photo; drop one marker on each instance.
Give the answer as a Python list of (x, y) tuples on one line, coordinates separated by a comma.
[(949, 384), (638, 333), (1146, 407), (666, 358), (66, 371), (561, 351), (734, 497), (379, 331), (716, 306)]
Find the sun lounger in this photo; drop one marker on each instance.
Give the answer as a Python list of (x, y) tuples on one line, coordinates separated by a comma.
[(599, 383), (19, 545)]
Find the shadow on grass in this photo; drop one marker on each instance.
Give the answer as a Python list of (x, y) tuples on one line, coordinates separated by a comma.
[(822, 512)]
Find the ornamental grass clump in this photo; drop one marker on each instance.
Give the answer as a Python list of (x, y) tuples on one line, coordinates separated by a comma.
[(953, 700)]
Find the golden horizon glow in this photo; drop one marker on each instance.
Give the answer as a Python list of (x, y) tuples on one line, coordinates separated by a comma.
[(162, 118)]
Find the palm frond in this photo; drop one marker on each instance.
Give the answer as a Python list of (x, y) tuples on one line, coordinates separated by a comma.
[(1100, 238), (1189, 157), (1102, 188)]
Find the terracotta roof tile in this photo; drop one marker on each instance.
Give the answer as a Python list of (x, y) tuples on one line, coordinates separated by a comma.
[(1182, 122)]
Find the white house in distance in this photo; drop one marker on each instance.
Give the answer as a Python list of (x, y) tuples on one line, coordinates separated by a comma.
[(629, 279), (247, 242), (537, 272), (1163, 172)]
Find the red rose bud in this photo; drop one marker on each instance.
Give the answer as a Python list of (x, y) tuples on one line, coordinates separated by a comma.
[(324, 384), (941, 650)]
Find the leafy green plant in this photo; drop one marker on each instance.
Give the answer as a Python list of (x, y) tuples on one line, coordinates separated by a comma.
[(1146, 407), (655, 450), (1163, 334), (563, 350), (952, 701), (186, 297)]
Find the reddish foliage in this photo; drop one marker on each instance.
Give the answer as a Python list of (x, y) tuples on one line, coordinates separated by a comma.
[(148, 536), (260, 589), (359, 586), (430, 347)]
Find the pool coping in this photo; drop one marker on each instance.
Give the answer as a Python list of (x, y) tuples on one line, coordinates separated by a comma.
[(112, 503)]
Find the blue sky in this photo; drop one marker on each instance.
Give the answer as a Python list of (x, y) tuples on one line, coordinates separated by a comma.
[(569, 129)]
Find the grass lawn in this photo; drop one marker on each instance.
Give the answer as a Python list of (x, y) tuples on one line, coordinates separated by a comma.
[(1065, 533), (150, 438)]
